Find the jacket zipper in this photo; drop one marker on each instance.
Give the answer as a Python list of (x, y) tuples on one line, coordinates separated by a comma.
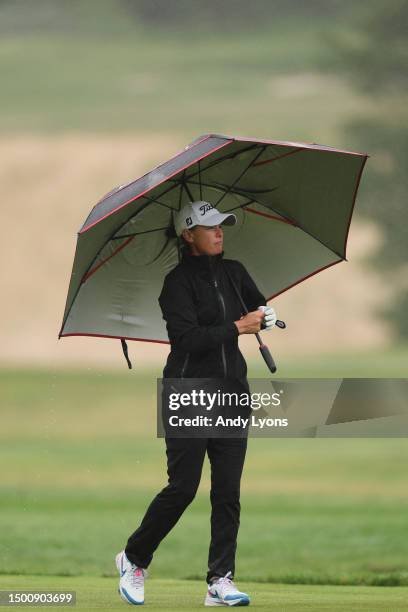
[(224, 362), (185, 365)]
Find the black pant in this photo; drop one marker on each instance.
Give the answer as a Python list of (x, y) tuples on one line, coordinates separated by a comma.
[(185, 457)]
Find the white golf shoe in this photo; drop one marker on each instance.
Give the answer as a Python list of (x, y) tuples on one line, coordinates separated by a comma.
[(223, 592), (131, 582)]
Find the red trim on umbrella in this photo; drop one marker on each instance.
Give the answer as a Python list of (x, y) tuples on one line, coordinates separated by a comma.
[(269, 161), (304, 278), (258, 212), (117, 337), (93, 270), (354, 201), (205, 137), (85, 229)]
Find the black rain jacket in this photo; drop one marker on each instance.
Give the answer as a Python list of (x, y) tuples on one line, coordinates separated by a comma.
[(200, 305)]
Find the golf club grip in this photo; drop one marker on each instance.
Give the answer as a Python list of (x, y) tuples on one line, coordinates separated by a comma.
[(280, 324), (267, 357)]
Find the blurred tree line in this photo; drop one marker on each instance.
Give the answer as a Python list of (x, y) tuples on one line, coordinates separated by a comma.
[(374, 56), (227, 14), (179, 15)]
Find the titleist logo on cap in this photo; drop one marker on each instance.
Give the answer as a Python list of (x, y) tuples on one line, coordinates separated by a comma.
[(205, 208)]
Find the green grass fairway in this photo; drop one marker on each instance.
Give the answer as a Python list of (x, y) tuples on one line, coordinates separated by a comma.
[(323, 523), (173, 595), (296, 538)]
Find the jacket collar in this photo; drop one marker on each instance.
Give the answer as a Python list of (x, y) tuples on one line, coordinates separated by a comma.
[(201, 262)]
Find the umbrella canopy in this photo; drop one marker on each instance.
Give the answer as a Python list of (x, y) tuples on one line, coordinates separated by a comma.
[(293, 201)]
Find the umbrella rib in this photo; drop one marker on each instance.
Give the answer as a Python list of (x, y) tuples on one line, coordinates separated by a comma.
[(224, 158), (217, 161), (254, 200), (251, 201), (185, 186), (181, 190), (286, 217), (156, 229), (199, 179), (222, 187), (111, 237), (230, 187), (240, 206), (150, 201), (214, 163), (296, 224), (180, 182), (243, 193), (237, 191)]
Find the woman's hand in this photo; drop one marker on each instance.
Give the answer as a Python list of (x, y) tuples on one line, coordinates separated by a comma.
[(250, 323)]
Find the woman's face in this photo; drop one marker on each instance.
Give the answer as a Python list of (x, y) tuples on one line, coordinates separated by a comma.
[(205, 240)]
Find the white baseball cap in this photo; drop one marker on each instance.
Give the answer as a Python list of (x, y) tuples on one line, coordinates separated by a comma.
[(201, 213)]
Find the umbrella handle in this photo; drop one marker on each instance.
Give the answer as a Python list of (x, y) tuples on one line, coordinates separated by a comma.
[(266, 354)]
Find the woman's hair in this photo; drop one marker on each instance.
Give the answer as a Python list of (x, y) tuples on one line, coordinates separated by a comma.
[(171, 233)]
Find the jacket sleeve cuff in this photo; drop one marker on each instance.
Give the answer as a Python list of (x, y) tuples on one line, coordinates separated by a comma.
[(232, 330)]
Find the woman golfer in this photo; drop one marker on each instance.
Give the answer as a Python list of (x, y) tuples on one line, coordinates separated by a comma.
[(204, 319)]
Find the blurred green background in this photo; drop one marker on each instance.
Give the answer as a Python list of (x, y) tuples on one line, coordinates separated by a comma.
[(93, 94)]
